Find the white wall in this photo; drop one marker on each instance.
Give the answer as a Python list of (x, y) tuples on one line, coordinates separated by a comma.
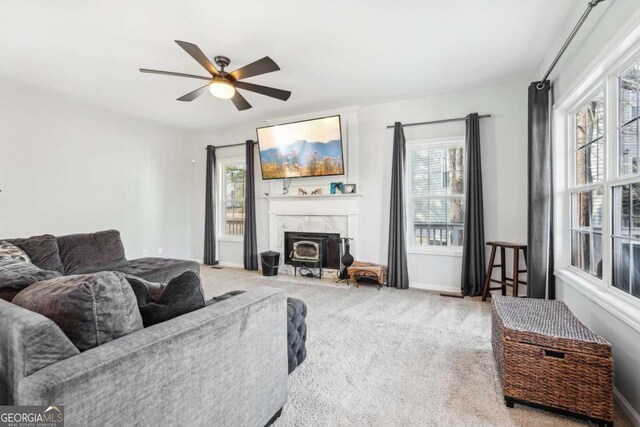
[(601, 35), (504, 155), (68, 168), (504, 158)]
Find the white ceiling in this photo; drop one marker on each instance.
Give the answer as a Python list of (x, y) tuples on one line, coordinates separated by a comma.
[(331, 53)]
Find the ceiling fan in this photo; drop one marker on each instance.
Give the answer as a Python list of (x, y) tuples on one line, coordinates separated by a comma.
[(224, 85)]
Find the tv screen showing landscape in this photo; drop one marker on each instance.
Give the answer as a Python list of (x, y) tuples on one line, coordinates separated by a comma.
[(301, 149)]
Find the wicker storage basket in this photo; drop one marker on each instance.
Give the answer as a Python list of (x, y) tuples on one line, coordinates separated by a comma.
[(546, 357)]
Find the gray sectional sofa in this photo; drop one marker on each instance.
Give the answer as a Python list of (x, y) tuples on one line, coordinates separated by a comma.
[(222, 365), (100, 251)]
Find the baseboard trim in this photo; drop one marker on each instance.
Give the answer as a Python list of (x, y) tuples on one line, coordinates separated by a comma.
[(435, 288), (629, 411)]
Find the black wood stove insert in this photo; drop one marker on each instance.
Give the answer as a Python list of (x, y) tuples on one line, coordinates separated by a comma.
[(306, 250)]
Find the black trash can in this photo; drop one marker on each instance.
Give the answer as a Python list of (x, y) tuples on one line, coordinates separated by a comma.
[(270, 262)]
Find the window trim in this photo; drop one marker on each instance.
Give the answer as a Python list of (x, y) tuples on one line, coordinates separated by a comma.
[(222, 165), (431, 143)]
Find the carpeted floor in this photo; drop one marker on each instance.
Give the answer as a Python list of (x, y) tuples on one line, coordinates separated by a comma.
[(390, 358)]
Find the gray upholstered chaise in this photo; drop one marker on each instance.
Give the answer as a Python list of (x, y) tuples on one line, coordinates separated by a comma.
[(93, 252)]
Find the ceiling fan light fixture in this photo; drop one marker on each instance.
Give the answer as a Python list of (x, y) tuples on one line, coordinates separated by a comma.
[(222, 89)]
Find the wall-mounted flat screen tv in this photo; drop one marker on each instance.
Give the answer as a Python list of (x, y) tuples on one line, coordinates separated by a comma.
[(301, 149)]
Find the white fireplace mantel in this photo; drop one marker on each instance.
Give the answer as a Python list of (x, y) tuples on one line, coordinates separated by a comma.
[(325, 205)]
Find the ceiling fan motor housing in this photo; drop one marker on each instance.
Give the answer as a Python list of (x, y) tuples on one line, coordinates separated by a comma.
[(222, 61)]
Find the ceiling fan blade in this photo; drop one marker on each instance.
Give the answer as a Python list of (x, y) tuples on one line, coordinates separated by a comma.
[(197, 54), (171, 73), (264, 90), (239, 101), (193, 95), (261, 66)]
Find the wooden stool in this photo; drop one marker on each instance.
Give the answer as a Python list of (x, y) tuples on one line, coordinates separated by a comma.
[(504, 280)]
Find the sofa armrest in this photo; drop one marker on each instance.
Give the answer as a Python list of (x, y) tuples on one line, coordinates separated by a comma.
[(223, 365), (28, 343)]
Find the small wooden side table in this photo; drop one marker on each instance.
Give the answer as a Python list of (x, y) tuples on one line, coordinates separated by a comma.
[(504, 280)]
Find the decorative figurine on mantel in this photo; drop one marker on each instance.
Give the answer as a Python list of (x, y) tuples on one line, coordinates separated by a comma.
[(337, 188), (317, 192), (301, 192)]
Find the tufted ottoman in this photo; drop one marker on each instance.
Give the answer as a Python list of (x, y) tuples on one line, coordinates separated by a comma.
[(296, 327), (296, 332)]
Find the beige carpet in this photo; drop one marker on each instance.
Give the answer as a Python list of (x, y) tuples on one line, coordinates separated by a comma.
[(390, 358)]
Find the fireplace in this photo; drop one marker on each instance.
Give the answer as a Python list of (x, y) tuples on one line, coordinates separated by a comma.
[(312, 250)]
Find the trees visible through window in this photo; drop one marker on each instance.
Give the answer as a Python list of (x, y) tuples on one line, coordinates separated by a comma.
[(590, 142), (233, 203), (625, 236), (587, 199), (436, 202), (628, 115)]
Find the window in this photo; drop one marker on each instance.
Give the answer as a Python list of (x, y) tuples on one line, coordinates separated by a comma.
[(590, 142), (586, 232), (233, 184), (586, 197), (436, 194), (628, 114), (604, 183), (625, 238)]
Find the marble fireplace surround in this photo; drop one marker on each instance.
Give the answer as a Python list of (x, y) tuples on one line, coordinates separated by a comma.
[(318, 215)]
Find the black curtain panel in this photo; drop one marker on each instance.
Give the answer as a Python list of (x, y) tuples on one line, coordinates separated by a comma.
[(210, 256), (250, 241), (398, 273), (540, 277), (473, 261)]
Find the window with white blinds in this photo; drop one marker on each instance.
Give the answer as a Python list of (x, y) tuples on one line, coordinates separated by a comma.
[(436, 194)]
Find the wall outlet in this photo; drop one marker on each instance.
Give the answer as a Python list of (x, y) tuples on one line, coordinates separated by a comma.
[(145, 252), (159, 251)]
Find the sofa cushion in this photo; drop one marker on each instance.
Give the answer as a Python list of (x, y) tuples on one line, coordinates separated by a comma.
[(11, 283), (8, 250), (91, 252), (91, 309), (16, 274), (158, 302), (159, 270), (43, 251), (27, 269)]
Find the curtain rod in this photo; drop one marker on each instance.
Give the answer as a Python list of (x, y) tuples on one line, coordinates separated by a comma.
[(457, 119), (231, 145), (590, 6)]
